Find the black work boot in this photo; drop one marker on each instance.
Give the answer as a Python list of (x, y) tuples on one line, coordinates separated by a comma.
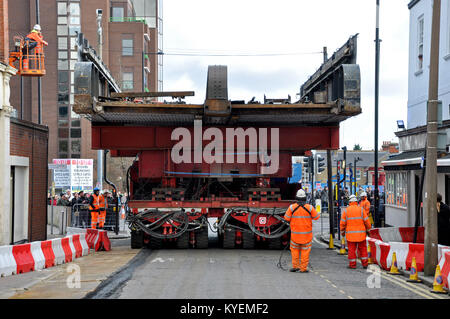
[(294, 270)]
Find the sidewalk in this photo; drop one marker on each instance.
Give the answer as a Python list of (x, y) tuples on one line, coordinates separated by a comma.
[(427, 280)]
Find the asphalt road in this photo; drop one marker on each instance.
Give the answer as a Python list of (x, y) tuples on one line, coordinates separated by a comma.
[(216, 273)]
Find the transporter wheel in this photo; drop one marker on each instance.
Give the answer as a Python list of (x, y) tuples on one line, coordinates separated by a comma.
[(275, 243), (183, 241), (137, 239), (201, 238), (249, 240), (229, 237), (155, 243)]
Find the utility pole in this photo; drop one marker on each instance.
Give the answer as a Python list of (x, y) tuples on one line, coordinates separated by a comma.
[(377, 92), (100, 53), (39, 78), (330, 192), (431, 243)]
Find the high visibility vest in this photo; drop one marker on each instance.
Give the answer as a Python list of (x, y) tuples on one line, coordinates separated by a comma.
[(355, 222), (102, 202), (301, 222), (366, 205), (96, 202)]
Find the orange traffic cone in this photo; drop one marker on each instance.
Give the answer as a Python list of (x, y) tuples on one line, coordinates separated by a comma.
[(414, 276), (394, 269), (342, 251), (122, 210), (369, 255), (438, 284)]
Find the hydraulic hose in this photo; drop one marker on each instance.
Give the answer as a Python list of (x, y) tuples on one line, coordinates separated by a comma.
[(180, 216), (277, 233)]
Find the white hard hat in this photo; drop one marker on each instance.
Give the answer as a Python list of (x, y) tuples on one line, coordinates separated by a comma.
[(301, 194), (352, 198), (37, 27), (363, 194)]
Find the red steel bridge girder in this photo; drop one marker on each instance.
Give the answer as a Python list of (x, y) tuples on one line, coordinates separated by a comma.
[(129, 140)]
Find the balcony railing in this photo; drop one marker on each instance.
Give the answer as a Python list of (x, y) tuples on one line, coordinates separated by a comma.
[(127, 19)]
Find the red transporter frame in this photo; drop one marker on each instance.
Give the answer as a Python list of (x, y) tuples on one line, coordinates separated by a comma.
[(160, 178)]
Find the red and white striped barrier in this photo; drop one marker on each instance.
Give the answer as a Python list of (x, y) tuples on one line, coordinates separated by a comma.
[(24, 258), (98, 239), (49, 255), (38, 255), (8, 264), (44, 254), (401, 253), (58, 250), (444, 264), (397, 234)]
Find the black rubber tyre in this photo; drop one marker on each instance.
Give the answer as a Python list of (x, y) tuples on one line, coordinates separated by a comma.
[(155, 243), (183, 241), (249, 240), (229, 237), (201, 238), (137, 239), (275, 243)]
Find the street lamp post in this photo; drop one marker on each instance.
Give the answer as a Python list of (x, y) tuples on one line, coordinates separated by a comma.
[(377, 83)]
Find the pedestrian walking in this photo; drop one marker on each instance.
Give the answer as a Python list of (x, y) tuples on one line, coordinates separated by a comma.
[(354, 226), (300, 216), (443, 222)]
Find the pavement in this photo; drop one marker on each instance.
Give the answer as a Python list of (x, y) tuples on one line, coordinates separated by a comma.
[(427, 280)]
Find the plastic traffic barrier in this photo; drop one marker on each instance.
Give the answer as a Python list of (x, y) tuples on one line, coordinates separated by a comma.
[(38, 255), (382, 254), (67, 250), (373, 248), (72, 247), (84, 245), (401, 251), (49, 255), (407, 234), (8, 265), (75, 241), (104, 243), (444, 264), (398, 234), (415, 250), (91, 237), (24, 258), (58, 250)]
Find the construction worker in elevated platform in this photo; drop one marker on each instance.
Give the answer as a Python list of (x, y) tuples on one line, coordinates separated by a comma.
[(364, 203), (35, 40), (94, 206), (354, 226), (300, 216)]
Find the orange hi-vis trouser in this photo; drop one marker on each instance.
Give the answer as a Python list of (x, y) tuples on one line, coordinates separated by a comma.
[(362, 253), (102, 218), (303, 261), (94, 218)]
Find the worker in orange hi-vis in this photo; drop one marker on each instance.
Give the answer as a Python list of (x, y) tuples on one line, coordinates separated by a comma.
[(103, 204), (300, 216), (94, 207), (35, 39), (354, 226), (366, 205)]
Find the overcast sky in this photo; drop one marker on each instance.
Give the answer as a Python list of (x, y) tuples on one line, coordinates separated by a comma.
[(290, 26)]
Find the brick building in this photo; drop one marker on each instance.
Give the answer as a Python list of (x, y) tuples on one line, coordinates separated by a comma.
[(23, 161), (132, 39)]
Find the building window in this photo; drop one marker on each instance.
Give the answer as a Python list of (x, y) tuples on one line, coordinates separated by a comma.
[(127, 47), (62, 8), (127, 81), (76, 146), (75, 132), (117, 12), (63, 111), (63, 146), (420, 29), (397, 189)]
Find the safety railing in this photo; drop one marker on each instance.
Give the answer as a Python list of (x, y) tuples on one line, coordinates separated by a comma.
[(81, 217), (59, 218)]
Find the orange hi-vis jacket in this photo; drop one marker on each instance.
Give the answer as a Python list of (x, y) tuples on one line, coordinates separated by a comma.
[(355, 223), (98, 203), (35, 36), (300, 220), (366, 205)]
